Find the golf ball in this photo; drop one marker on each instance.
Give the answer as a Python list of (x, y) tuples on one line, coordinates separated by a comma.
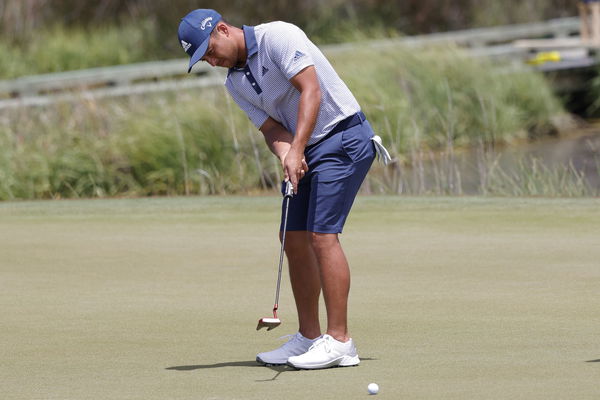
[(373, 388)]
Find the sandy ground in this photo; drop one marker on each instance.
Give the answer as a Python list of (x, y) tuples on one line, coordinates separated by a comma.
[(454, 298)]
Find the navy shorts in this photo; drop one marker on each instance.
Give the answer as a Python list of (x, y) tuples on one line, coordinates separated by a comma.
[(337, 167)]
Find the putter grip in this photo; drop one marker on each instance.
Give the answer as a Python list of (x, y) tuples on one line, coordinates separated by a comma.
[(287, 190)]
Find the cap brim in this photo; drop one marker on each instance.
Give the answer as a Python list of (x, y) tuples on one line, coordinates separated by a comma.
[(198, 54)]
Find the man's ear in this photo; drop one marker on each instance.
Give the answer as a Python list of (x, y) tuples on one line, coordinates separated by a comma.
[(222, 28)]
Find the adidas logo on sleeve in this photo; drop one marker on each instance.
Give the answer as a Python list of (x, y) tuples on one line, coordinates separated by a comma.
[(298, 55)]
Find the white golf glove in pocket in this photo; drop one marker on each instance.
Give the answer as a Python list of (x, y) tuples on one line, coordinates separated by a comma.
[(382, 154)]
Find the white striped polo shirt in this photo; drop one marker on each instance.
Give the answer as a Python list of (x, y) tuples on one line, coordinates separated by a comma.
[(277, 51)]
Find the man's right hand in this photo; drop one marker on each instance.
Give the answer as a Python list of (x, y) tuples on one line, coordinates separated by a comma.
[(294, 167)]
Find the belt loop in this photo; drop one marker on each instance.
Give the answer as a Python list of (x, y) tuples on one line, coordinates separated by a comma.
[(362, 117)]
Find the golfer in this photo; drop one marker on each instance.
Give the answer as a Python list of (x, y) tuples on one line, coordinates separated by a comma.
[(314, 125)]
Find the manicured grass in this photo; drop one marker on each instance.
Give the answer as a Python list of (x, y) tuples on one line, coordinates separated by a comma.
[(452, 298)]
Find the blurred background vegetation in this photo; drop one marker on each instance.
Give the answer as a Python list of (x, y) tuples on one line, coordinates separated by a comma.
[(53, 35), (429, 104)]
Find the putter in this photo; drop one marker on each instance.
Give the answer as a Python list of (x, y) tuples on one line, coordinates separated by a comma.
[(271, 323)]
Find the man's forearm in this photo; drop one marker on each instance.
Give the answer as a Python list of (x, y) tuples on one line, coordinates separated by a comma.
[(278, 140)]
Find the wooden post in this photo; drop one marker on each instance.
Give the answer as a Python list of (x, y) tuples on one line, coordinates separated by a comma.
[(585, 31), (595, 11)]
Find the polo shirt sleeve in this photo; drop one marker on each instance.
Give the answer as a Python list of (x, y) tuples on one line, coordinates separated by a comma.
[(256, 115), (287, 46)]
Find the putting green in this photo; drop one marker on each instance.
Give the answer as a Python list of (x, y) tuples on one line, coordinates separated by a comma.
[(453, 298)]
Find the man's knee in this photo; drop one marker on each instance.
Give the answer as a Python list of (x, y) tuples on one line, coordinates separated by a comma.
[(323, 241), (296, 241)]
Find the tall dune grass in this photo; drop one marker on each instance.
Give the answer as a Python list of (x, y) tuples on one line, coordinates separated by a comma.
[(422, 102), (62, 49)]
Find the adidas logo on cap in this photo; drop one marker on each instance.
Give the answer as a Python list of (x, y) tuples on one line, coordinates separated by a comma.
[(185, 45)]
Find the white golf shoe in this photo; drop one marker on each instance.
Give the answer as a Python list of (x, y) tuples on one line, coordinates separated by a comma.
[(326, 352), (297, 344)]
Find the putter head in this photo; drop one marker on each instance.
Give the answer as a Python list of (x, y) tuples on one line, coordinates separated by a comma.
[(269, 323)]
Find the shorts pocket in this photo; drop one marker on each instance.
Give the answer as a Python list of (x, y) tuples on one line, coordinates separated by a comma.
[(356, 142)]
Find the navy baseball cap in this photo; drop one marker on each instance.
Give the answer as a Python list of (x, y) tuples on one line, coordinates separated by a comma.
[(194, 32)]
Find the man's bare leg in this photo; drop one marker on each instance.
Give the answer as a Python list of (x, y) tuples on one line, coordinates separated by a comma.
[(335, 281), (306, 284)]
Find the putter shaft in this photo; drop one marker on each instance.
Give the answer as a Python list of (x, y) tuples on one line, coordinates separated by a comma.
[(288, 192), (272, 323)]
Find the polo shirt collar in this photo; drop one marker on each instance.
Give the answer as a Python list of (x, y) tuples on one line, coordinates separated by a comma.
[(251, 45), (250, 38)]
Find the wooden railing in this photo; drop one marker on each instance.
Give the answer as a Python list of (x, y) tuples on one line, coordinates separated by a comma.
[(39, 90)]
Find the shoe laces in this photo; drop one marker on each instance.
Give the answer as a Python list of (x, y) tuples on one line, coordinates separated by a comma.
[(326, 342), (291, 339)]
